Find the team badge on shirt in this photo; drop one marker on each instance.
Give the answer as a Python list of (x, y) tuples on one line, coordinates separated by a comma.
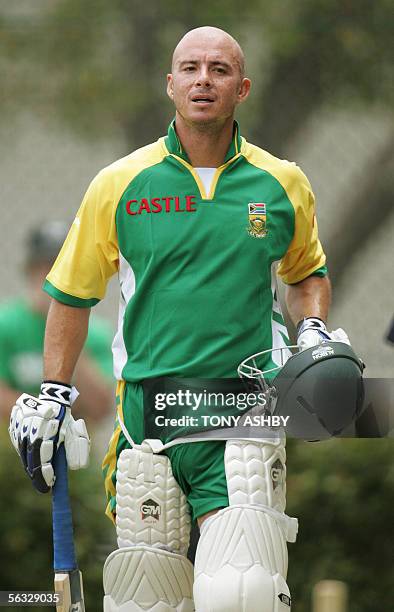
[(257, 220)]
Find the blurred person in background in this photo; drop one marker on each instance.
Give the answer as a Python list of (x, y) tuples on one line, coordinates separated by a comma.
[(390, 333), (22, 328)]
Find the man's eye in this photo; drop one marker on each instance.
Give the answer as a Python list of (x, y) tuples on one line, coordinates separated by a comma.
[(219, 70), (189, 68)]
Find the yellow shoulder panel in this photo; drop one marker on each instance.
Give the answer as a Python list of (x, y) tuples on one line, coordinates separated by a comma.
[(90, 254), (305, 253)]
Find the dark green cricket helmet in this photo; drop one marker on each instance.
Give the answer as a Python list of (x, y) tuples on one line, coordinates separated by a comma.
[(320, 389)]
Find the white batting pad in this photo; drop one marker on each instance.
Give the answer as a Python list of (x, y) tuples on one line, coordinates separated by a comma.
[(150, 506), (241, 560), (147, 579), (256, 472), (241, 563)]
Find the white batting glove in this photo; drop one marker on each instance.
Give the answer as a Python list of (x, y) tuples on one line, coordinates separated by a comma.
[(312, 331), (39, 425)]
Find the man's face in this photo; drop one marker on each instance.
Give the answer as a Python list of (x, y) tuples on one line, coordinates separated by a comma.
[(206, 82)]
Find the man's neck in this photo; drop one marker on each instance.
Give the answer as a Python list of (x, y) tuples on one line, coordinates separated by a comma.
[(205, 145)]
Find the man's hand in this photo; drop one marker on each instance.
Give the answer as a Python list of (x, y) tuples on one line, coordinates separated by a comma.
[(312, 331), (39, 425)]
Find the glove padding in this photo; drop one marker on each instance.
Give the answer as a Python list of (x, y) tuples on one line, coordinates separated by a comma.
[(38, 427), (312, 331)]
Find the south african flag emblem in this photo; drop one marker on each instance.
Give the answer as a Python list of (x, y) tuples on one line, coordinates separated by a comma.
[(257, 219)]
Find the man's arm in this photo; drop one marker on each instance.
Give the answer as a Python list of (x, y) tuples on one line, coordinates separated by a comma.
[(308, 303), (309, 298), (65, 335)]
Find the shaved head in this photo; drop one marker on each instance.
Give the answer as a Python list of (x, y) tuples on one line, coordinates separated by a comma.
[(210, 36)]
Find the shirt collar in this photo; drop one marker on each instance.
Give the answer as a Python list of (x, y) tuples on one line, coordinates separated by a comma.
[(174, 145)]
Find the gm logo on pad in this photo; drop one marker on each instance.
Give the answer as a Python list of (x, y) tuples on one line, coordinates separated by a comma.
[(150, 510)]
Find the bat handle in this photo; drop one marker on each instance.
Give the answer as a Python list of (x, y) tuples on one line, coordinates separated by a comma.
[(68, 578), (63, 536)]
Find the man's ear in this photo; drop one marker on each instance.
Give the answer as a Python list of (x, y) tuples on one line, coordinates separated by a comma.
[(170, 91), (244, 90)]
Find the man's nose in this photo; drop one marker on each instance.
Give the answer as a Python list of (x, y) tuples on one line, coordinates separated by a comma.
[(203, 78)]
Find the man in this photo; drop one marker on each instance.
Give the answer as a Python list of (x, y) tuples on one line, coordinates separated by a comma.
[(22, 328), (193, 224)]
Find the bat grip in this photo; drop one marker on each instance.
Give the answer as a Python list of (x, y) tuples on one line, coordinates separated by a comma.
[(64, 558)]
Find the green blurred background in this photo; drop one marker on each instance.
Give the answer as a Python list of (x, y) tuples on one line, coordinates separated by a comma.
[(84, 83)]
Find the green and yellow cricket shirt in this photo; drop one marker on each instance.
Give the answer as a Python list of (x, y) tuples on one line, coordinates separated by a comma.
[(196, 269)]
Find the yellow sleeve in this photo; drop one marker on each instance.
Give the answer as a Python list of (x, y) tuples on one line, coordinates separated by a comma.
[(90, 253), (305, 254)]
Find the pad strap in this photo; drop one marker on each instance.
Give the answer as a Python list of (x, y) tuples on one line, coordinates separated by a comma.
[(288, 524)]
